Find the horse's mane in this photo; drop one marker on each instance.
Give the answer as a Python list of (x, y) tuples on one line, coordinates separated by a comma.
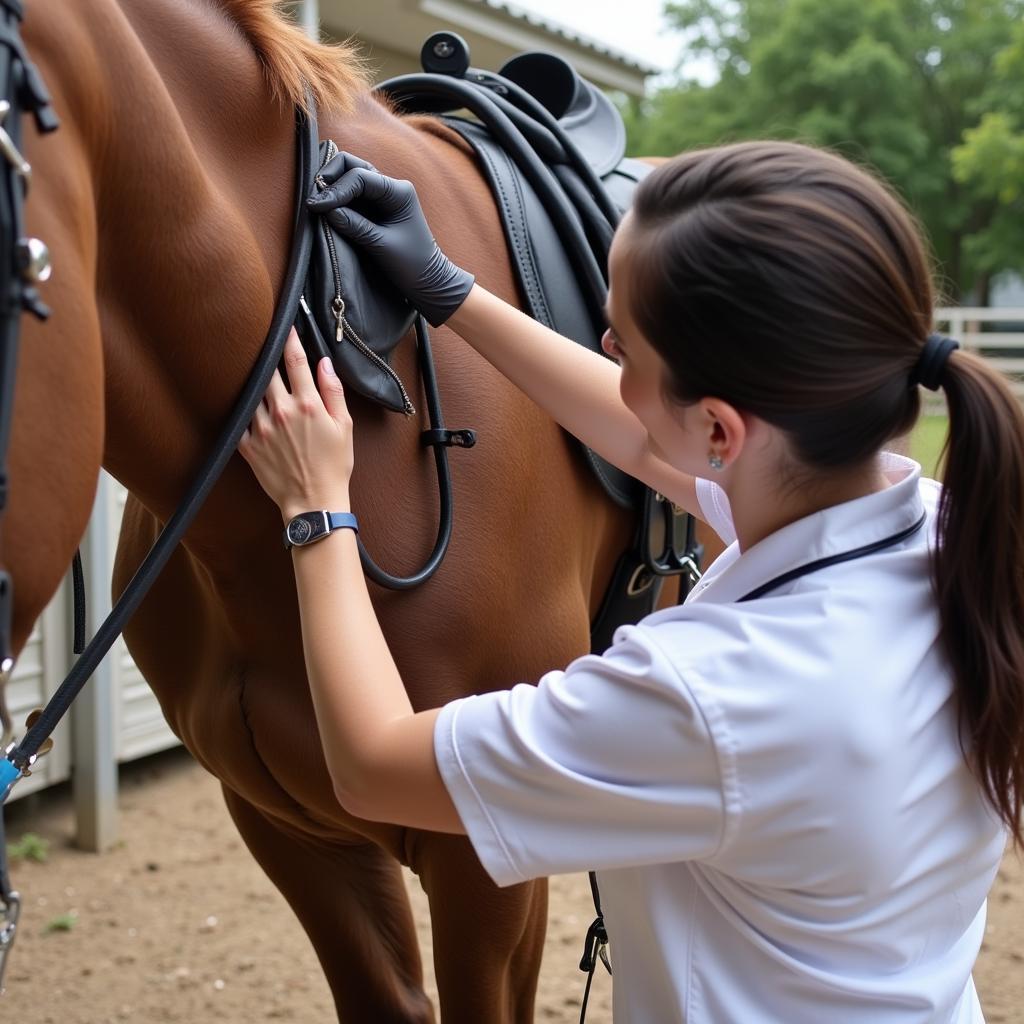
[(293, 63)]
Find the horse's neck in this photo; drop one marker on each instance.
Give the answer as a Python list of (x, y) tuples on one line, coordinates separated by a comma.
[(194, 202), (192, 167)]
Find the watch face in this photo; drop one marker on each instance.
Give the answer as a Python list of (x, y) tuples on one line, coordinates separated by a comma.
[(299, 531)]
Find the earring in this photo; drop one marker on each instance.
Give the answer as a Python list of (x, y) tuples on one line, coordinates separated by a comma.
[(715, 461)]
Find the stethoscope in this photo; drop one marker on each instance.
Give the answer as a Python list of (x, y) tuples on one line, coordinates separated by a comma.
[(844, 556)]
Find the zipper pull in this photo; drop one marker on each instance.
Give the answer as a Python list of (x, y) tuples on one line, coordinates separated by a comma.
[(338, 305)]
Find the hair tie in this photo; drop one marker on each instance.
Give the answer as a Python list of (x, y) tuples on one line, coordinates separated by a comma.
[(930, 367)]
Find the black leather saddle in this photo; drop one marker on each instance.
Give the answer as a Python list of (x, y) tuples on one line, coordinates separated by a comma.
[(551, 146)]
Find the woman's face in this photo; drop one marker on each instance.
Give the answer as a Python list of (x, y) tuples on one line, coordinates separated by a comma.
[(673, 433)]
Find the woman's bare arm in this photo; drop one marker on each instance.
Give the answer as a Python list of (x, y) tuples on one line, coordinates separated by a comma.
[(576, 387)]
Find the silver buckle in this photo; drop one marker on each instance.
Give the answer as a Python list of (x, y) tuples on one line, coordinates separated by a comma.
[(691, 568), (23, 770), (21, 166)]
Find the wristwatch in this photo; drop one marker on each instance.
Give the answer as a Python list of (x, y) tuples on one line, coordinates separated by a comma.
[(311, 526)]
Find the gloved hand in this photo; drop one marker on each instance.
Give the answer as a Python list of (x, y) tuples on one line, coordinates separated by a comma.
[(393, 231)]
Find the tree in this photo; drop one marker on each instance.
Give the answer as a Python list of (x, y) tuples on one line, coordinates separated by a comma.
[(990, 165), (893, 84)]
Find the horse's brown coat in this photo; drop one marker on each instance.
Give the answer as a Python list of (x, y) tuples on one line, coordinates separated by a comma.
[(166, 199)]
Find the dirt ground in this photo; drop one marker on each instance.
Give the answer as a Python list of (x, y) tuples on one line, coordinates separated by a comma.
[(178, 924)]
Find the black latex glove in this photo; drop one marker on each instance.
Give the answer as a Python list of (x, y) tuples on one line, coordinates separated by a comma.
[(389, 226)]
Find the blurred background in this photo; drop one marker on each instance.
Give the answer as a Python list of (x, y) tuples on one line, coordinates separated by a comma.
[(930, 93)]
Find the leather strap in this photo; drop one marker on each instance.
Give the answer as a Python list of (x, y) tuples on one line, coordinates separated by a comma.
[(342, 521), (23, 90)]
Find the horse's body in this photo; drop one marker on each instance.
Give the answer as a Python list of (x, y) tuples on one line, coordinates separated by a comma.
[(166, 199)]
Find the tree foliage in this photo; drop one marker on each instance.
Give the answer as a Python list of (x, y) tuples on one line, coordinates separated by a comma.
[(925, 92), (989, 164)]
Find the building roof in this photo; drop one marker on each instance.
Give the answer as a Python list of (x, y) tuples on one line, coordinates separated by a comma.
[(516, 13)]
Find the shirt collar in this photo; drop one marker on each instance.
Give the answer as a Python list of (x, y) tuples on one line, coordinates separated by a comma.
[(831, 531)]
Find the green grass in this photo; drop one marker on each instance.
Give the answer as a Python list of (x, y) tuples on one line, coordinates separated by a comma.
[(61, 923), (29, 847), (926, 443)]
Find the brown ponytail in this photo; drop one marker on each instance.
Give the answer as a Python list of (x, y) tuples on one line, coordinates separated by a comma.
[(795, 286), (978, 571)]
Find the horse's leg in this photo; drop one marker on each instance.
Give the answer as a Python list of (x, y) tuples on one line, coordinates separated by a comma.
[(487, 941), (351, 900)]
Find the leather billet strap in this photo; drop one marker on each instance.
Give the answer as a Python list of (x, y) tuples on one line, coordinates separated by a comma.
[(23, 755)]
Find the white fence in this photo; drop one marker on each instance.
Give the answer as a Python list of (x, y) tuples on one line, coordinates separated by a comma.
[(116, 718), (997, 334)]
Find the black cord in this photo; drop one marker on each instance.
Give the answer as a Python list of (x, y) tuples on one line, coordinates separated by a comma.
[(444, 479)]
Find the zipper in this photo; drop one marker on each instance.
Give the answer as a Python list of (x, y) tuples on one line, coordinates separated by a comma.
[(346, 329), (343, 328), (338, 302)]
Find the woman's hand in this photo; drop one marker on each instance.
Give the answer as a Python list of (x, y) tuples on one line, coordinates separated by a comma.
[(389, 226), (299, 444)]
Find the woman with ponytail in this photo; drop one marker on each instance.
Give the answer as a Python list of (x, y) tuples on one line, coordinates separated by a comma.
[(796, 787)]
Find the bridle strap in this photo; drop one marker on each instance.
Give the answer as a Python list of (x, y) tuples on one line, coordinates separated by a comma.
[(22, 91)]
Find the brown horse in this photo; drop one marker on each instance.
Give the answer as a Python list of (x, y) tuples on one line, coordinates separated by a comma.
[(166, 199)]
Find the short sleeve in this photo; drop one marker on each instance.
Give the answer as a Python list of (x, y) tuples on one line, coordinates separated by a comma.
[(607, 764), (714, 506)]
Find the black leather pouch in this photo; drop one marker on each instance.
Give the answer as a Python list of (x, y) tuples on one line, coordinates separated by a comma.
[(354, 315)]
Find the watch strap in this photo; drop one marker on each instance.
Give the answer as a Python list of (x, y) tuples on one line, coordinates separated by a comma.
[(342, 521)]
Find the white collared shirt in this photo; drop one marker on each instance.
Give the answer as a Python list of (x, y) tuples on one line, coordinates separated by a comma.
[(772, 792)]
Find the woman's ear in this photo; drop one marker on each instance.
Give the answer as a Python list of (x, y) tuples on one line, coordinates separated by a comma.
[(725, 428)]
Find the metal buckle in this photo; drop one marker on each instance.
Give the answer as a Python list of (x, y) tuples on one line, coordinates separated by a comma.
[(10, 771), (690, 567), (7, 147), (667, 551), (8, 929)]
